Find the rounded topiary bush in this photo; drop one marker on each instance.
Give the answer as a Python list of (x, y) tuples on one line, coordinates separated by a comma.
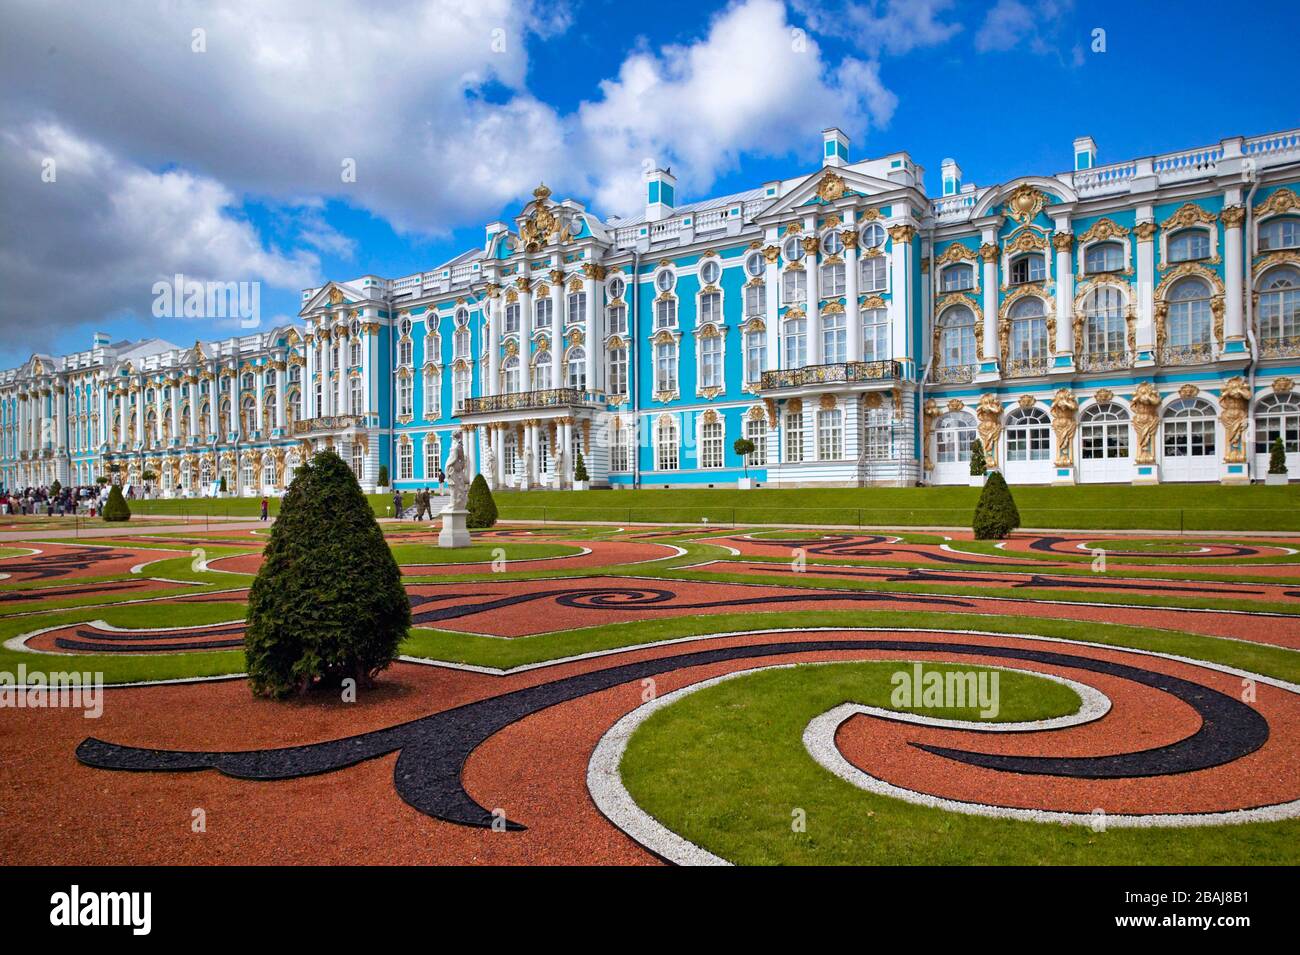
[(115, 508), (328, 603), (482, 508), (996, 514)]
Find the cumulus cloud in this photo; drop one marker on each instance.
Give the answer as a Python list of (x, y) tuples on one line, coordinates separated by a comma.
[(1037, 25), (753, 85), (881, 26)]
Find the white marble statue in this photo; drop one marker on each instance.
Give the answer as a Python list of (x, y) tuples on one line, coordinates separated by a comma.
[(457, 477), (490, 467), (528, 468)]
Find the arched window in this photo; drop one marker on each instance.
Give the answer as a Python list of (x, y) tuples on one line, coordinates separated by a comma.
[(957, 338), (1189, 245), (957, 277), (1188, 323), (1029, 435), (1279, 307), (1280, 233), (666, 444), (542, 371), (247, 478), (295, 406), (710, 348), (1104, 330), (432, 456), (510, 375), (1028, 345), (710, 308), (577, 372), (835, 344), (1277, 416), (953, 434), (796, 343), (1030, 267), (1103, 432), (1189, 428), (873, 274), (875, 334), (616, 376), (268, 470), (831, 281), (1103, 257), (794, 287), (666, 367), (755, 355), (354, 395)]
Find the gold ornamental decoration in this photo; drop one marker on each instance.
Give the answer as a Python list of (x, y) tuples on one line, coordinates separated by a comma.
[(1025, 202), (830, 188), (1234, 399), (1145, 408), (1189, 213), (1103, 228), (929, 414), (1065, 408), (1279, 202), (989, 413), (956, 252), (1283, 386)]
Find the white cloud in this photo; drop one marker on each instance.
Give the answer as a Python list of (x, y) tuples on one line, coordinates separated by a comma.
[(1038, 25), (881, 26), (752, 85)]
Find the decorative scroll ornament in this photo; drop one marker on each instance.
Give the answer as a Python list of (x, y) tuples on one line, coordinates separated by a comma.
[(1103, 229), (1234, 399), (830, 188), (1145, 405), (1026, 240), (956, 252), (1025, 202), (1283, 386), (1279, 202), (1063, 241), (1189, 213)]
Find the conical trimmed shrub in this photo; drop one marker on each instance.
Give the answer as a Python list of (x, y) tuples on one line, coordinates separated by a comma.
[(978, 465), (996, 514), (480, 504), (328, 603), (580, 469), (115, 508), (1277, 457)]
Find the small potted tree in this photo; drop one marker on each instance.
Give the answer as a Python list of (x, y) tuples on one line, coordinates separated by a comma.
[(744, 447), (1276, 463), (581, 479), (978, 467), (221, 487), (381, 482), (149, 476)]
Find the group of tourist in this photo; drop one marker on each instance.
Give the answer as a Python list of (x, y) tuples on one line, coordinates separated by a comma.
[(53, 500), (423, 503)]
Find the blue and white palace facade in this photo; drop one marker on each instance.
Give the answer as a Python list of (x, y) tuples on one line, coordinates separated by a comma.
[(1131, 322)]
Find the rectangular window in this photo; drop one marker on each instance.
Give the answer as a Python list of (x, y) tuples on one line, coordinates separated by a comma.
[(873, 270), (577, 308), (617, 374), (711, 445), (404, 396), (755, 300), (710, 308), (832, 281), (544, 312), (665, 313), (619, 459), (755, 357), (830, 435), (794, 287), (618, 320), (756, 431), (711, 362), (666, 367), (794, 438)]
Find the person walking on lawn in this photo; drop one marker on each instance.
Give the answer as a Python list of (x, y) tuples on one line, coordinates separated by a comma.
[(265, 506)]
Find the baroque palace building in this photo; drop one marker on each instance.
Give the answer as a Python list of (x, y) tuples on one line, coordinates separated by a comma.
[(1131, 322)]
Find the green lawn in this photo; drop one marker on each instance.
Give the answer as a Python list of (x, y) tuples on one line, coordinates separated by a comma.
[(726, 768), (1170, 507)]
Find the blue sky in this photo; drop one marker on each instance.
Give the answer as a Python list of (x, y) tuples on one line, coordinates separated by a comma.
[(223, 161)]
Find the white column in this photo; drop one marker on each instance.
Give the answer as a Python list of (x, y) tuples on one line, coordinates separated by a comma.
[(194, 402), (592, 335), (105, 427), (471, 452), (259, 391), (279, 391), (342, 394), (526, 337), (1063, 241), (811, 247), (1233, 274), (989, 253), (492, 311), (852, 312), (326, 382), (565, 440), (900, 287), (214, 404), (1146, 282), (139, 411), (158, 412), (122, 409), (771, 289), (175, 386), (309, 380), (367, 379), (234, 412), (499, 448), (559, 328)]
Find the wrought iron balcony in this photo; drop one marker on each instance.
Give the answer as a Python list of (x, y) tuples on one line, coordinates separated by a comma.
[(1027, 367), (952, 374), (1286, 346), (845, 371), (1196, 354), (524, 400), (1104, 360)]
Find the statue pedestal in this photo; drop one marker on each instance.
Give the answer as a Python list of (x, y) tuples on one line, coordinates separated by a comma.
[(454, 533)]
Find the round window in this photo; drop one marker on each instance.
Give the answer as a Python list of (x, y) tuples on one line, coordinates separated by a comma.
[(710, 272), (755, 265), (615, 287), (793, 250), (664, 281), (832, 244)]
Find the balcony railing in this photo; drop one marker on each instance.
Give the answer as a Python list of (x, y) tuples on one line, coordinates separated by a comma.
[(1104, 360), (845, 371), (1197, 354), (523, 400), (952, 374), (1027, 367), (1286, 346), (331, 423)]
